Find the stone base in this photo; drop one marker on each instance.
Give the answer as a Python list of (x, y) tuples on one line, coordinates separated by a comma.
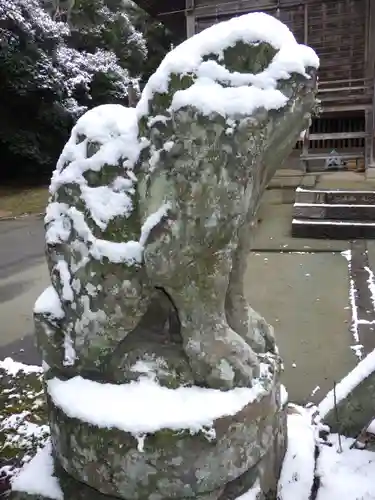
[(237, 453), (263, 477), (246, 453), (173, 464)]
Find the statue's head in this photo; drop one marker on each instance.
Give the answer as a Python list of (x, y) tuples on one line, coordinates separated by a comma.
[(222, 112)]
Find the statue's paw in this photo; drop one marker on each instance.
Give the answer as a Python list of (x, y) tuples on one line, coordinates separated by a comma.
[(225, 363), (260, 335)]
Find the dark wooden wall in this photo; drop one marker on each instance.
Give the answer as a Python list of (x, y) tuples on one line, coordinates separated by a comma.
[(336, 29)]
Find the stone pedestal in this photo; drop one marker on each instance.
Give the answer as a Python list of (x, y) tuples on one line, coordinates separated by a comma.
[(222, 463)]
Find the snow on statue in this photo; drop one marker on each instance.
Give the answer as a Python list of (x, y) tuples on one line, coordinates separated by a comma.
[(148, 230)]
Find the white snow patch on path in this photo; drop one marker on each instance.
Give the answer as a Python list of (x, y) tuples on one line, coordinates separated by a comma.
[(348, 475), (12, 368), (297, 474)]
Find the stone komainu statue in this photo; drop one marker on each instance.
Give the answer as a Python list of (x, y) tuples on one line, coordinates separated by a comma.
[(148, 231)]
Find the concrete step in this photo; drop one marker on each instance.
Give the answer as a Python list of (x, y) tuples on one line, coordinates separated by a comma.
[(340, 212), (336, 136), (335, 196), (324, 156), (332, 229)]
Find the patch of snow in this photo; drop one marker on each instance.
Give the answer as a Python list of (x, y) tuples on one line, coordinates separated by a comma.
[(67, 292), (216, 88), (168, 145), (284, 396), (130, 252), (359, 373), (341, 205), (12, 368), (156, 119), (297, 474), (114, 128), (145, 367), (371, 284), (253, 494), (315, 390), (150, 368), (37, 476), (371, 427), (303, 190), (19, 432), (153, 220), (45, 366), (357, 348), (141, 438), (91, 289), (145, 407), (332, 222), (348, 475), (227, 100), (154, 158), (58, 225), (49, 303), (69, 351), (107, 202), (302, 135)]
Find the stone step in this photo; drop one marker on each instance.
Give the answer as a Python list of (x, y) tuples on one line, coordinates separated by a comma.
[(332, 229), (324, 156), (335, 197), (340, 212), (335, 136)]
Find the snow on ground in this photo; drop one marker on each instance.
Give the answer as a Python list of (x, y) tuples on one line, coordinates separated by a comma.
[(23, 419), (343, 473), (353, 298), (37, 476), (12, 368), (348, 475), (297, 474)]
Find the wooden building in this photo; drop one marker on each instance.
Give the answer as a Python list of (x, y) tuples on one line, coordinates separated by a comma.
[(343, 34)]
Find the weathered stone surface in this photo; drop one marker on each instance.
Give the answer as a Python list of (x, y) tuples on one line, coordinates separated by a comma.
[(171, 464), (214, 185), (148, 231), (264, 472)]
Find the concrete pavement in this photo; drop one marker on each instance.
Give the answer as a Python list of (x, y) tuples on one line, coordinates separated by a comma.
[(21, 244), (23, 276), (305, 297)]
